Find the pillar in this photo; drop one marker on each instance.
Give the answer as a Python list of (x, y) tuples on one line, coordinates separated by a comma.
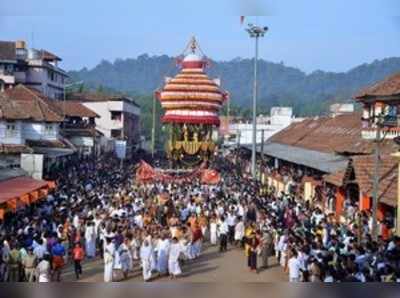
[(397, 156)]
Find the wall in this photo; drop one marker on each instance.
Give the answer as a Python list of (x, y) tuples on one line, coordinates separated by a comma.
[(16, 138), (103, 109), (39, 79), (104, 123), (36, 131), (130, 108)]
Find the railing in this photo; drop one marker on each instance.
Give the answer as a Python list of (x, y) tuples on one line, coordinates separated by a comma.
[(77, 125), (387, 133)]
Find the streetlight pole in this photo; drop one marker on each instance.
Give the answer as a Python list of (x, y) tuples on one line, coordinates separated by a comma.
[(374, 231), (153, 128), (255, 32)]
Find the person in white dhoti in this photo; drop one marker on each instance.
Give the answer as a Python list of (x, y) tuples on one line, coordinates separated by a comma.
[(135, 247), (146, 254), (90, 240), (117, 268), (239, 232), (109, 254), (213, 231), (175, 251), (163, 245), (125, 258), (43, 269)]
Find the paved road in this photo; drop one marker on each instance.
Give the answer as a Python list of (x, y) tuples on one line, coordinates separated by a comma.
[(212, 266)]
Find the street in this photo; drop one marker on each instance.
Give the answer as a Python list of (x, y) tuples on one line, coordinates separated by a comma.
[(212, 266)]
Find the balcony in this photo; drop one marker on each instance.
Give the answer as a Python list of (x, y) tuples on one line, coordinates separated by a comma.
[(387, 133)]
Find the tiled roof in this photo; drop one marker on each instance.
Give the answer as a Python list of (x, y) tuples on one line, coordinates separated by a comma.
[(364, 171), (94, 96), (325, 134), (335, 178), (7, 50), (75, 109), (46, 55), (322, 161), (32, 105), (12, 110), (14, 149), (388, 87)]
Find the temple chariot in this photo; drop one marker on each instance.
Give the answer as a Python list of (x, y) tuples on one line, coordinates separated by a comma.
[(191, 102)]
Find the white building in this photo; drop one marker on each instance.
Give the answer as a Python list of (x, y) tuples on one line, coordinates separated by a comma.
[(29, 123), (280, 118), (35, 68), (118, 118), (341, 108)]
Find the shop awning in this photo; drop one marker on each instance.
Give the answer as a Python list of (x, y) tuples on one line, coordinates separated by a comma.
[(53, 152), (324, 162), (22, 191)]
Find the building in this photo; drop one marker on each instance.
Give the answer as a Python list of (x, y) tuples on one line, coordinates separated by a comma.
[(280, 118), (331, 159), (38, 69), (341, 108), (381, 126), (118, 118), (381, 104), (30, 123), (79, 127)]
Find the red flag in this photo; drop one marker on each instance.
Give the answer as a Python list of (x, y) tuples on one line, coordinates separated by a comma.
[(210, 177), (241, 19)]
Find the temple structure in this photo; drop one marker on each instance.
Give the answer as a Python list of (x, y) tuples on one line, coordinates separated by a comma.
[(191, 101)]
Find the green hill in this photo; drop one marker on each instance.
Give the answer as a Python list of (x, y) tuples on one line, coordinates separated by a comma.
[(279, 84)]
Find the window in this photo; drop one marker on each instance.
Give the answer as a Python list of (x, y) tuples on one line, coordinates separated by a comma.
[(48, 129), (51, 75), (116, 115), (116, 133), (11, 130)]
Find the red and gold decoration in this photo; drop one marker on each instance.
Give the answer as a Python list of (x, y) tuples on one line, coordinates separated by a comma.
[(191, 101)]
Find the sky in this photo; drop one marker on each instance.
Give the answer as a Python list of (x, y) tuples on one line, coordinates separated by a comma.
[(308, 34)]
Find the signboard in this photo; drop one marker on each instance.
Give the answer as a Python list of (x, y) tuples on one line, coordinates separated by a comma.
[(120, 149), (33, 165)]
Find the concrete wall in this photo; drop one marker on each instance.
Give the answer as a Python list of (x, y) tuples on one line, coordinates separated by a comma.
[(11, 138), (105, 124), (38, 78), (38, 131)]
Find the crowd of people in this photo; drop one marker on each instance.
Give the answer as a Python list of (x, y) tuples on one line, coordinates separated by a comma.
[(99, 211)]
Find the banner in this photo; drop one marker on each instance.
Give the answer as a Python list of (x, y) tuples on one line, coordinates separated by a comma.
[(120, 149), (146, 173)]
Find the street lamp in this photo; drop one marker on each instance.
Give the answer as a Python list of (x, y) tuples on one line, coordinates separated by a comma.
[(255, 32)]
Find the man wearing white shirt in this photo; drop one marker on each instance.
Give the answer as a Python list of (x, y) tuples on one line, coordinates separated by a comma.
[(294, 267), (40, 250)]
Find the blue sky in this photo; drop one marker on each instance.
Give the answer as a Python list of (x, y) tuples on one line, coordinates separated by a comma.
[(309, 34)]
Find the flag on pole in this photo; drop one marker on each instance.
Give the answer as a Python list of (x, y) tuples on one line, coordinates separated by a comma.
[(241, 19)]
